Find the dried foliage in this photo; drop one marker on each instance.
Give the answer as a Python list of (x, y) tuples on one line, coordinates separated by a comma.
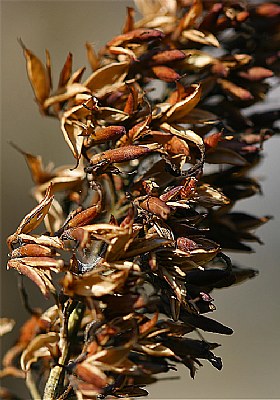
[(134, 247)]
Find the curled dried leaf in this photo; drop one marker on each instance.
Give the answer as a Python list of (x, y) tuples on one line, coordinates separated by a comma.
[(39, 347)]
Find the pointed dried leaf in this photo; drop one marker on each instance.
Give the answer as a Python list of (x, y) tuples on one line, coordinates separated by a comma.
[(66, 72), (222, 155), (6, 325), (201, 37), (183, 107), (40, 342), (32, 220), (92, 57), (37, 74), (93, 284), (40, 279), (129, 22), (107, 75), (73, 136)]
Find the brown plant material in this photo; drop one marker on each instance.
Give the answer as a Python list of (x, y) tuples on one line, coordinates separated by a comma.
[(136, 208)]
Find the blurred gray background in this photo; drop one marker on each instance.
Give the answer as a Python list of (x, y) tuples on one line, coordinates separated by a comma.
[(251, 354)]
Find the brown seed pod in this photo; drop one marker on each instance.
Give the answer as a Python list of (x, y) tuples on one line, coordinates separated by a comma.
[(122, 154), (189, 188), (136, 36), (165, 74), (84, 217), (156, 206), (32, 250), (102, 135), (168, 56), (186, 244)]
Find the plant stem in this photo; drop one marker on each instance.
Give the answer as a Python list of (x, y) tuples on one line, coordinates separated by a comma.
[(71, 326)]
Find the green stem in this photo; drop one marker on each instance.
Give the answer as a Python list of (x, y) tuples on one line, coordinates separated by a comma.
[(69, 332)]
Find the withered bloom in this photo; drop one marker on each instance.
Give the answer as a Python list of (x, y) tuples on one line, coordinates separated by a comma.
[(138, 210)]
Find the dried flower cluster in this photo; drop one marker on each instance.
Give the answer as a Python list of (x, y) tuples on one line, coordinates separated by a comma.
[(134, 246)]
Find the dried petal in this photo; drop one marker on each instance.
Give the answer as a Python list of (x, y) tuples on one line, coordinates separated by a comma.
[(41, 342), (6, 325), (32, 220), (37, 75)]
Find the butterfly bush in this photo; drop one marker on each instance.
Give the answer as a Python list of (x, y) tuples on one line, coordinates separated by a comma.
[(133, 233)]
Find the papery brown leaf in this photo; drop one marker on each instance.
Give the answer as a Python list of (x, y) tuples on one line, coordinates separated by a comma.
[(68, 93), (154, 349), (129, 22), (41, 262), (183, 107), (118, 50), (38, 172), (93, 375), (93, 284), (198, 116), (185, 134), (201, 37), (15, 373), (40, 278), (49, 67), (222, 155), (6, 325), (141, 245), (66, 71), (189, 19), (38, 347), (32, 220), (172, 144), (209, 196), (196, 59), (37, 74), (42, 240), (92, 57), (107, 75), (76, 77), (147, 326), (72, 135), (110, 359), (161, 7)]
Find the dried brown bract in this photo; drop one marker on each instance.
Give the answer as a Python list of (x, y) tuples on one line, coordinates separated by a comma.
[(136, 209)]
